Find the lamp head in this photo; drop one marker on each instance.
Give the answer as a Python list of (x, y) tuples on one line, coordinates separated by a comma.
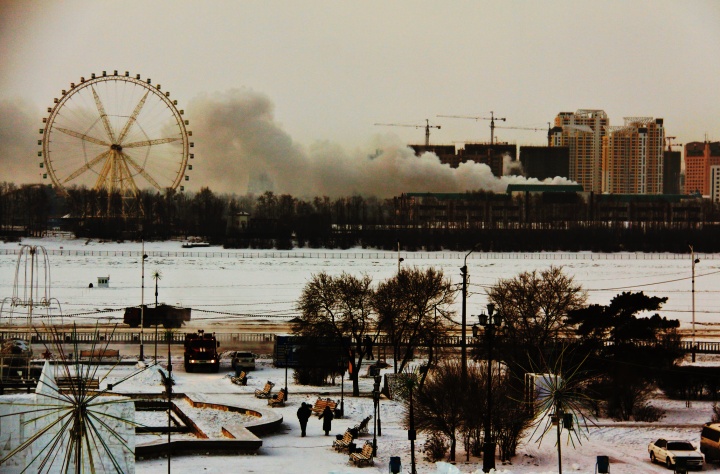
[(491, 308), (483, 319)]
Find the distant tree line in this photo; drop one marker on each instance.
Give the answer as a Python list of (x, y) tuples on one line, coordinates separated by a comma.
[(488, 221)]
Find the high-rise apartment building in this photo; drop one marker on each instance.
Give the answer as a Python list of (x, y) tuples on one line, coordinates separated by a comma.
[(582, 133), (633, 158), (699, 158)]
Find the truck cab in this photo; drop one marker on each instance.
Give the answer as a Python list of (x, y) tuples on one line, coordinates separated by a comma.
[(201, 352)]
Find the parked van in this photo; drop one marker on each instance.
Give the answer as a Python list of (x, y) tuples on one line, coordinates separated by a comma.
[(710, 441)]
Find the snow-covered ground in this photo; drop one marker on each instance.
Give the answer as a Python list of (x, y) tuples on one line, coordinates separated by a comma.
[(286, 451), (228, 286)]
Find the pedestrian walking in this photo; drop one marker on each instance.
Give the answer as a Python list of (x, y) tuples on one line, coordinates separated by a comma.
[(303, 414), (327, 417), (369, 347)]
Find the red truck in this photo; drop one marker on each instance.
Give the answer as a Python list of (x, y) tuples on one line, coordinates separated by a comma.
[(201, 352)]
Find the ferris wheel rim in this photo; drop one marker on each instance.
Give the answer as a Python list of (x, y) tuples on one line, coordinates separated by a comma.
[(114, 146)]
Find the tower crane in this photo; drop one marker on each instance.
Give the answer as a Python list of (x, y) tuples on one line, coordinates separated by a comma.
[(492, 119), (531, 128), (670, 144), (427, 127)]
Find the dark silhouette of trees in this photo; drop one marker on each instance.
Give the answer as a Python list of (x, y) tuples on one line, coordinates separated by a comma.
[(628, 351), (406, 307)]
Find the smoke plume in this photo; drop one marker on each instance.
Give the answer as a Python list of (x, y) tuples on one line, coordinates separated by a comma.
[(239, 147), (19, 127)]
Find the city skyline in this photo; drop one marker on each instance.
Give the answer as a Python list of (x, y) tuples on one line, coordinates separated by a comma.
[(310, 80)]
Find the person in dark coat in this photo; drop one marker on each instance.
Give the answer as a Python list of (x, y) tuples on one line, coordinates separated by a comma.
[(369, 347), (327, 417), (303, 415)]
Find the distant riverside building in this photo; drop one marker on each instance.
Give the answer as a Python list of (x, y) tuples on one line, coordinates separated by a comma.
[(446, 153), (582, 132), (715, 183), (672, 172), (544, 162), (699, 158), (492, 155), (633, 157)]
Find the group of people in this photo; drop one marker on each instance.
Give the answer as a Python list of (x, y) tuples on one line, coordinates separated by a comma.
[(304, 413)]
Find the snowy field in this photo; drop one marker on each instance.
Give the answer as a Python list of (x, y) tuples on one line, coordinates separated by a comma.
[(227, 286), (256, 285)]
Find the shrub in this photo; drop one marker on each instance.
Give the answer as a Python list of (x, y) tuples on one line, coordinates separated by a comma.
[(648, 413), (435, 447)]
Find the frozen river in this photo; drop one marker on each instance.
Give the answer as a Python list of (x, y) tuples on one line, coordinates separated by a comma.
[(263, 285)]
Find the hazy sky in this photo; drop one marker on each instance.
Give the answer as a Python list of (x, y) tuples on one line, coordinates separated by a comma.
[(282, 88)]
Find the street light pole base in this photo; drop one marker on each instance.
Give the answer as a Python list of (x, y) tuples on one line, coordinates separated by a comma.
[(488, 457)]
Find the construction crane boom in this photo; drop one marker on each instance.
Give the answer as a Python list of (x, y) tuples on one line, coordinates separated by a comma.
[(670, 144), (427, 128), (492, 119)]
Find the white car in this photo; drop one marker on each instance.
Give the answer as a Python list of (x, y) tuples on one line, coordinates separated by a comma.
[(242, 360), (672, 452)]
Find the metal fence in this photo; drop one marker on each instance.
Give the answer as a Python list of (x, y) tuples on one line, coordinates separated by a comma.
[(176, 337), (373, 255)]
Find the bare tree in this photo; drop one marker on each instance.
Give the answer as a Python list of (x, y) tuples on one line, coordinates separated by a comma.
[(535, 304), (338, 307), (440, 406), (406, 306)]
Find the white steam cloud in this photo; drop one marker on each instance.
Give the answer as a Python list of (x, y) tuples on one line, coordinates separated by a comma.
[(238, 144)]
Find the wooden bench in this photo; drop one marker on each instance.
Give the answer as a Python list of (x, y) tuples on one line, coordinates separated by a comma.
[(99, 354), (265, 392), (277, 400), (320, 405), (239, 379), (344, 443), (70, 383), (364, 457)]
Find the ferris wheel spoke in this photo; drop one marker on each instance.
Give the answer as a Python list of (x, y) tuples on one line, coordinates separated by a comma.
[(142, 171), (157, 141), (86, 166), (132, 118), (103, 115), (82, 136), (128, 175), (107, 167)]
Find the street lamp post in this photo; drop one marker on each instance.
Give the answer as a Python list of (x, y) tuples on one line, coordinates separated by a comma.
[(142, 301), (376, 410), (156, 276), (489, 322), (463, 343), (411, 432), (378, 379), (168, 388), (694, 261)]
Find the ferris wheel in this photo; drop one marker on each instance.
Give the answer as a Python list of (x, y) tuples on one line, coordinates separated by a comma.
[(117, 133)]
